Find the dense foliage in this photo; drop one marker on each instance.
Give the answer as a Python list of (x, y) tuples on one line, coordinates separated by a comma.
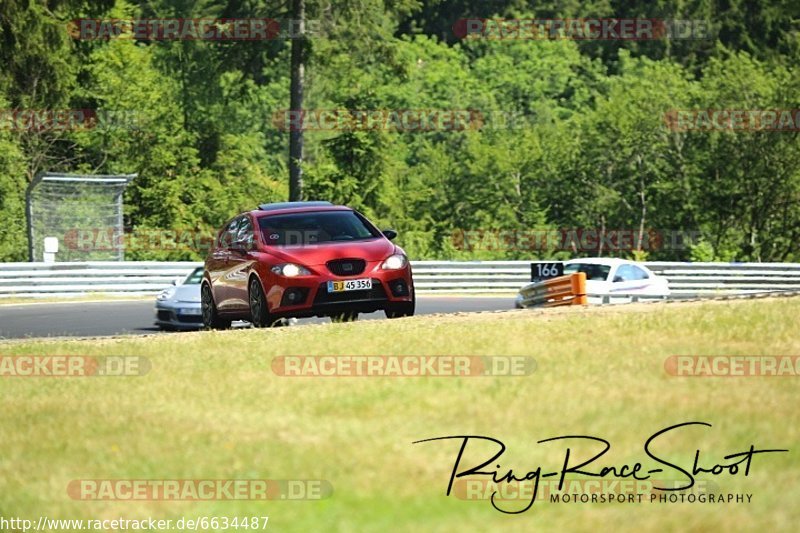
[(574, 132)]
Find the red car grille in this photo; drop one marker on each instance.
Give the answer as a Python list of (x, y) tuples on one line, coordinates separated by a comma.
[(347, 267)]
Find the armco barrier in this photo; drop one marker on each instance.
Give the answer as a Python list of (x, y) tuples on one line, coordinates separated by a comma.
[(687, 280), (563, 290), (107, 277), (717, 279)]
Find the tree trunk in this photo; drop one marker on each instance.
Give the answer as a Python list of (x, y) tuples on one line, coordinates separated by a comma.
[(296, 102)]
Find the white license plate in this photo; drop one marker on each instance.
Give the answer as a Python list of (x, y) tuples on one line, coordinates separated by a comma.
[(189, 311), (350, 285)]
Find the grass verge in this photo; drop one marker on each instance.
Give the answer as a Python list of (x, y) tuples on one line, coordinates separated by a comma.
[(211, 407)]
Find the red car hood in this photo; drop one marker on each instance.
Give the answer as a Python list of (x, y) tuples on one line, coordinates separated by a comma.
[(372, 250)]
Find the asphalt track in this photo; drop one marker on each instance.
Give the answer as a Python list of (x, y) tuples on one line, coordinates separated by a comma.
[(91, 319)]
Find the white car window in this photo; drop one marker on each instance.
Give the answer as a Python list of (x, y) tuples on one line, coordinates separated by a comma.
[(629, 272), (624, 273), (593, 271), (639, 273)]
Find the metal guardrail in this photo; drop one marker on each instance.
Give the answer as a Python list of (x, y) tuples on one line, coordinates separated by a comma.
[(470, 276), (628, 298), (687, 280), (108, 277), (556, 292), (693, 279)]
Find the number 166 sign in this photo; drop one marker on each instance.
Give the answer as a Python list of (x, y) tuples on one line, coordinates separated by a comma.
[(543, 271)]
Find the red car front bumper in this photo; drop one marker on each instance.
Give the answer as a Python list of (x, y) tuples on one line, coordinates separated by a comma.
[(306, 296)]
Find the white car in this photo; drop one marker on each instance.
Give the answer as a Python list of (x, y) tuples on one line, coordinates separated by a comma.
[(610, 280), (615, 281), (178, 307)]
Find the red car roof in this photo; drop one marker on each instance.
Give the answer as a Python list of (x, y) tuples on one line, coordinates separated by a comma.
[(258, 213)]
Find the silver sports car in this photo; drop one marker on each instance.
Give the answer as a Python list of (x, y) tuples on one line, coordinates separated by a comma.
[(178, 307)]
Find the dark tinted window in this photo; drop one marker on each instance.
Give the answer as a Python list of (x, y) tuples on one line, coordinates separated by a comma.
[(228, 235), (592, 271), (315, 228), (195, 277), (244, 233)]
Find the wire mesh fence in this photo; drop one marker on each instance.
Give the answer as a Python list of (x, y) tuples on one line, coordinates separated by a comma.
[(63, 207)]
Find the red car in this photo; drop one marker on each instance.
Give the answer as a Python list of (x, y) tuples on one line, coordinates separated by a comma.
[(303, 259)]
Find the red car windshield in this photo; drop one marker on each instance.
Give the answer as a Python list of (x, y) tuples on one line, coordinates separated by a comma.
[(298, 229)]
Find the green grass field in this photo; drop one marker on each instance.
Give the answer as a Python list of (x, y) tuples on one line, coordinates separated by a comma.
[(211, 407)]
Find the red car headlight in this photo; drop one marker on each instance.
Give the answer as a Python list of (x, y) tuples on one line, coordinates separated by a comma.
[(290, 270), (395, 262)]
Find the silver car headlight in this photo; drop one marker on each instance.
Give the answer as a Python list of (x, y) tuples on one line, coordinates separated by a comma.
[(395, 262), (166, 294), (290, 270)]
